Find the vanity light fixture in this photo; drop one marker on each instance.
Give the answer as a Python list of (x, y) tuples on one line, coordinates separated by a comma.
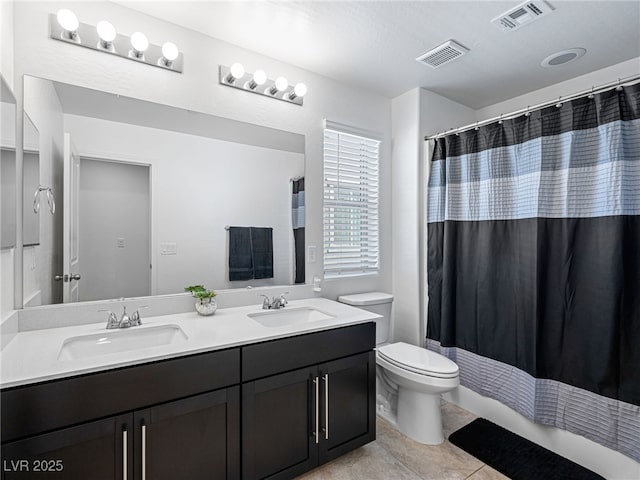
[(235, 72), (139, 45), (103, 37), (69, 23), (280, 89), (107, 33), (169, 53), (259, 77)]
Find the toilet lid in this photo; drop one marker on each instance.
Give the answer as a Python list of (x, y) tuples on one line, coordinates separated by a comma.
[(418, 360)]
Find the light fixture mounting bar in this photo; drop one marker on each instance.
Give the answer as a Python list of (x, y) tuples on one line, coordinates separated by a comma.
[(87, 36), (243, 83)]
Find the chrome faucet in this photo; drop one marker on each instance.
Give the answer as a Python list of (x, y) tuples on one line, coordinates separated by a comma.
[(275, 304), (125, 321)]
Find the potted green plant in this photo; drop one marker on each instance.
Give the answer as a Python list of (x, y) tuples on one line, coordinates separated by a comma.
[(205, 299)]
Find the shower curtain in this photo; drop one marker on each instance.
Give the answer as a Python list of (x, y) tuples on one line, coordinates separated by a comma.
[(534, 264), (297, 212)]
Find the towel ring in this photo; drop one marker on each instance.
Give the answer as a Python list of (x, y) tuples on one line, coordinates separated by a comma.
[(50, 199)]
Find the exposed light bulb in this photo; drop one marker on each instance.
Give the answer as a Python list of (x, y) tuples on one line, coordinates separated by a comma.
[(300, 90), (259, 77), (281, 84), (139, 43), (170, 51), (68, 20), (237, 70), (106, 31)]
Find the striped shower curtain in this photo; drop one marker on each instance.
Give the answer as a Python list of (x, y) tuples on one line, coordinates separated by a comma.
[(534, 264)]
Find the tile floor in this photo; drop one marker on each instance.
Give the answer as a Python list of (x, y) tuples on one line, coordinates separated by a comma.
[(394, 456)]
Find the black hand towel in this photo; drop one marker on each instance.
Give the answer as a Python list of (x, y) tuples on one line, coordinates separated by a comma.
[(262, 248), (240, 258)]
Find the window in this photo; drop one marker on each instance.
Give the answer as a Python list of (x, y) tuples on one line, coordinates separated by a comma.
[(351, 191)]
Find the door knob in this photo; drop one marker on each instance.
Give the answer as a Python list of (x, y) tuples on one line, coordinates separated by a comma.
[(74, 276), (67, 278)]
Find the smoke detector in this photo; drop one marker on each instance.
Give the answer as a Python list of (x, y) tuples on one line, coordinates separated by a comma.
[(523, 14), (442, 54)]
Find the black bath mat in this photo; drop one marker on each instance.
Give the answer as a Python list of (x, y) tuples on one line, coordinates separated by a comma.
[(514, 456)]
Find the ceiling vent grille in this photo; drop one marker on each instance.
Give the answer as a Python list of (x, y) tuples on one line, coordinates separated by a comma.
[(442, 54), (521, 15)]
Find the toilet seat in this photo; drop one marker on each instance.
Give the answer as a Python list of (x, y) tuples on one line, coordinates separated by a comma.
[(418, 360)]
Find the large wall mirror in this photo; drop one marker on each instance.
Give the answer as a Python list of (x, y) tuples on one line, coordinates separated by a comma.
[(146, 195)]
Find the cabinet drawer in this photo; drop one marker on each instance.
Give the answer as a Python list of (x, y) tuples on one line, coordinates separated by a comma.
[(269, 358), (47, 406)]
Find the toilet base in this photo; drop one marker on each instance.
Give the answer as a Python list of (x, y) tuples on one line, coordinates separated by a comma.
[(419, 416)]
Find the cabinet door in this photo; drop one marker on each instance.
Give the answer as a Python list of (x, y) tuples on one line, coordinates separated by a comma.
[(99, 450), (279, 425), (348, 404), (196, 438)]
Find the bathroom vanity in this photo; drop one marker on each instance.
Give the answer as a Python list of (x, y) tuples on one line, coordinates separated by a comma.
[(275, 404)]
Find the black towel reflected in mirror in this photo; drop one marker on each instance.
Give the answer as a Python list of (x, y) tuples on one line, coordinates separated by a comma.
[(250, 253)]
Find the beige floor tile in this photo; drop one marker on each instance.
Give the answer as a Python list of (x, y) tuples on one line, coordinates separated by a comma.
[(487, 473), (371, 462), (440, 462), (454, 417)]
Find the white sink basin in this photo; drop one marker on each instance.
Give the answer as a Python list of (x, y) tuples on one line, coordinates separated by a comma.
[(289, 316), (121, 340)]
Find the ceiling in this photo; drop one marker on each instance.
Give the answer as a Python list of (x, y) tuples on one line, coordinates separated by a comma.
[(373, 44)]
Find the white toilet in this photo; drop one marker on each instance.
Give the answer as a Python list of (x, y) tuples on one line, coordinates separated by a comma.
[(418, 376)]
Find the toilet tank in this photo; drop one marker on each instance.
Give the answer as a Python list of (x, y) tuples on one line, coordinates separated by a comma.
[(376, 302)]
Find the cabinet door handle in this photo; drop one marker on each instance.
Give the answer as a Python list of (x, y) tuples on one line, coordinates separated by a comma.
[(124, 454), (326, 406), (144, 452), (317, 426)]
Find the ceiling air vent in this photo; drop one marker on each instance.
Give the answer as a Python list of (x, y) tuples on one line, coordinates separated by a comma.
[(521, 15), (442, 54)]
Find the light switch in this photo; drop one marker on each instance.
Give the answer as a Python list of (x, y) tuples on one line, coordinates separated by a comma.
[(120, 242), (168, 248), (311, 254)]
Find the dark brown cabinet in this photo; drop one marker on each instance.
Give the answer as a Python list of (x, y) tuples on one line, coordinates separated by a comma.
[(96, 450), (299, 419), (273, 410)]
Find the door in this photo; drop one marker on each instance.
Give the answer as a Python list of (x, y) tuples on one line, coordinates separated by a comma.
[(280, 421), (196, 438), (70, 227), (99, 450), (347, 404)]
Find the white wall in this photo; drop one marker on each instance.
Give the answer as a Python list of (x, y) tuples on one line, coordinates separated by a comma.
[(415, 114), (6, 68), (6, 40), (42, 262), (216, 183), (114, 203), (568, 87), (198, 89)]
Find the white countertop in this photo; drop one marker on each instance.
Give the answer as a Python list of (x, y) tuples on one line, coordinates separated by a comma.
[(32, 356)]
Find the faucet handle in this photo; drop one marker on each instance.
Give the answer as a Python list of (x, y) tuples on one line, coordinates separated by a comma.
[(266, 303), (112, 319), (135, 316)]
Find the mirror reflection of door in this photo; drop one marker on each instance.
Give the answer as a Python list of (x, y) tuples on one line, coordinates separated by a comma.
[(114, 229)]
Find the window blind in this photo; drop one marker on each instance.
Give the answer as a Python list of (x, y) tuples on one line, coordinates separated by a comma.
[(350, 211)]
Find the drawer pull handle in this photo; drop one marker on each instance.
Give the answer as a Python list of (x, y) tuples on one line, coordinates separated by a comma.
[(326, 406), (316, 434), (144, 452), (124, 454)]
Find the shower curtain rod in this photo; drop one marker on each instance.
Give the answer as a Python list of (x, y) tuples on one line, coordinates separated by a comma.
[(530, 108)]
